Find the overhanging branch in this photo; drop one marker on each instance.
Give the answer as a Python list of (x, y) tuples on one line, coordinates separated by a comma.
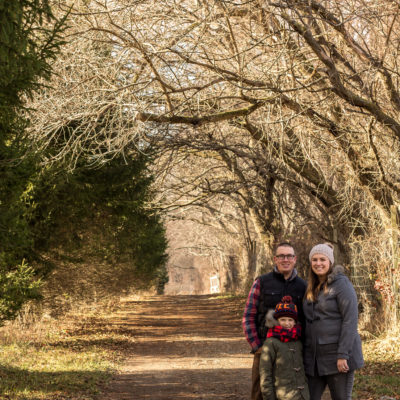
[(197, 120)]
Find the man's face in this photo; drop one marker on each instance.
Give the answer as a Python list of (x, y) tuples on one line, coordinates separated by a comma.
[(285, 259)]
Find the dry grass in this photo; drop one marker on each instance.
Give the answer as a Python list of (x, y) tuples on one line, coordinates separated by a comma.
[(73, 356), (381, 375), (61, 358)]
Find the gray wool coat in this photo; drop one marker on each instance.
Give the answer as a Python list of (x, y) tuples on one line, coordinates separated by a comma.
[(331, 327), (282, 374)]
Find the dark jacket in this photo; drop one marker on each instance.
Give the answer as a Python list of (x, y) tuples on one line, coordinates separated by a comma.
[(282, 374), (273, 286), (331, 327)]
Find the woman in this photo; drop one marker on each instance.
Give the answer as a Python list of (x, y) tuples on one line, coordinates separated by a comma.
[(332, 349)]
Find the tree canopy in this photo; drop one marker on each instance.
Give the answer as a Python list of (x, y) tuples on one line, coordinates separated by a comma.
[(53, 212), (288, 110)]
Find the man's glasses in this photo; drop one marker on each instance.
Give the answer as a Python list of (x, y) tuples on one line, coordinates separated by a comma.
[(287, 256)]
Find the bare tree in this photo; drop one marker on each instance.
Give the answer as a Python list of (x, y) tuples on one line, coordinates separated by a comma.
[(289, 108)]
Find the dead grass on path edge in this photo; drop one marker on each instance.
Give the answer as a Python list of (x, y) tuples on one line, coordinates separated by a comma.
[(72, 357)]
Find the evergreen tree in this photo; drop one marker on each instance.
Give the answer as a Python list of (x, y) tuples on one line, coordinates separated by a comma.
[(103, 216), (29, 40), (41, 208)]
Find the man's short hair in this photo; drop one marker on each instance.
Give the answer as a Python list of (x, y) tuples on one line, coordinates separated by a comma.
[(285, 244)]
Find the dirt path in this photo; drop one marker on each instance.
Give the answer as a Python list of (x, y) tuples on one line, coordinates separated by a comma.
[(185, 348)]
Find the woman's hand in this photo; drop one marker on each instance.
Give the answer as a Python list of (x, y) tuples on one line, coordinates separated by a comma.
[(342, 365)]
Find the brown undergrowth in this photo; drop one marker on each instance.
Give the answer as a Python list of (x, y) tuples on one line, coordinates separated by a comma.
[(158, 347)]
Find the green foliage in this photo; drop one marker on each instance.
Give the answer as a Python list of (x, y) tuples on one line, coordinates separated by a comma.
[(15, 240), (99, 212), (16, 287), (29, 40), (103, 215), (162, 279)]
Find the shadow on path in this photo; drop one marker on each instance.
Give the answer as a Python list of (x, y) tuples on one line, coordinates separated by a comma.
[(183, 348)]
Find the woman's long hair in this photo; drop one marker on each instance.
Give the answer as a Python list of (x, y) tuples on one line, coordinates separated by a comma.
[(314, 285)]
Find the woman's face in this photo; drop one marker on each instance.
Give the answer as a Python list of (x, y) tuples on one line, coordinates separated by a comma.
[(320, 265)]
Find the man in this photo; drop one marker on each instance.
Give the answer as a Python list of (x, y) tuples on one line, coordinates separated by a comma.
[(265, 294)]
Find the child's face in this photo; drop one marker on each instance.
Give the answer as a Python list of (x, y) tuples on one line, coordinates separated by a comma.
[(286, 322)]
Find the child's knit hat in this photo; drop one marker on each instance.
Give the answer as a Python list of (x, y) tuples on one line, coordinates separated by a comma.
[(286, 308)]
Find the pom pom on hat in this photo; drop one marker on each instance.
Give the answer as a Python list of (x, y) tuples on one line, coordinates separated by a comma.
[(286, 308)]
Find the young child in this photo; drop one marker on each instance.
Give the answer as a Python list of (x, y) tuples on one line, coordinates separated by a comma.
[(282, 374)]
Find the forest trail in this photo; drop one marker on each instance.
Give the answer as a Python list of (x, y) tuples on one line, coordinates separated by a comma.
[(184, 348)]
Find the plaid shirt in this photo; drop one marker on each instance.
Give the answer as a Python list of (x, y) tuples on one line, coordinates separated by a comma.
[(250, 317)]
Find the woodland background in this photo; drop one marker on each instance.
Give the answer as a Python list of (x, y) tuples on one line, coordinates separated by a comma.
[(143, 141)]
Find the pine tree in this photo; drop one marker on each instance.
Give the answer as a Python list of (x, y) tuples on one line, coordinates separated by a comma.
[(103, 214), (30, 37)]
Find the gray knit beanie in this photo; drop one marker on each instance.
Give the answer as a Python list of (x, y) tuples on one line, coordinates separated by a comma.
[(324, 249)]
